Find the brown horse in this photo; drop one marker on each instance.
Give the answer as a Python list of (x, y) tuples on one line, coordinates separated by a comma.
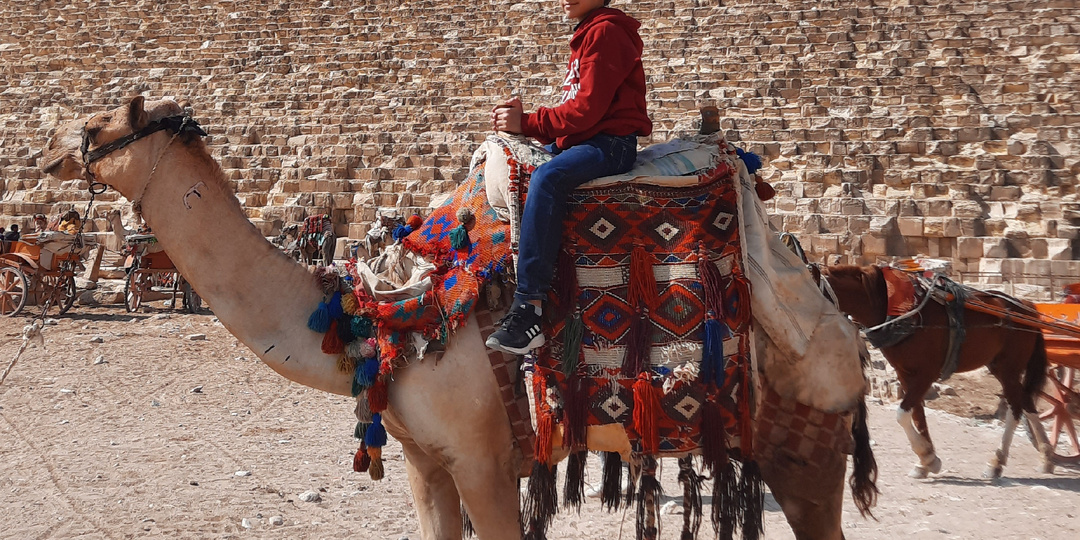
[(1014, 354)]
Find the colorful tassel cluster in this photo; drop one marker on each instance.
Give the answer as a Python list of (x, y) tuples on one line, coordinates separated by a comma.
[(344, 319)]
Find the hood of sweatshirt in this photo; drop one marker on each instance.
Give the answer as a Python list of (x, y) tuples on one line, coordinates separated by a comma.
[(606, 14)]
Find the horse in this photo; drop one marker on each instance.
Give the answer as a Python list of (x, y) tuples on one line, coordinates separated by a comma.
[(1014, 354)]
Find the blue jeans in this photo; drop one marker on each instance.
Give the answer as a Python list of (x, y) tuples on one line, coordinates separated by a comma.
[(546, 203)]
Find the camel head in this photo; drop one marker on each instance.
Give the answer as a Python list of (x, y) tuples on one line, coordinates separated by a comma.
[(126, 169)]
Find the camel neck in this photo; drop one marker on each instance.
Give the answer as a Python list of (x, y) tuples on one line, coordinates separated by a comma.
[(261, 296)]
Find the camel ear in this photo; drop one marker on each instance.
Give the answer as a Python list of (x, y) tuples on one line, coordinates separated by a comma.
[(137, 116)]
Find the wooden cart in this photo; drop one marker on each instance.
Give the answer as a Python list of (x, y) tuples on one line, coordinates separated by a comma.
[(150, 270), (41, 269), (1059, 407)]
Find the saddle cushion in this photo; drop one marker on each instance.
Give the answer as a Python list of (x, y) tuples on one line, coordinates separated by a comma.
[(676, 163)]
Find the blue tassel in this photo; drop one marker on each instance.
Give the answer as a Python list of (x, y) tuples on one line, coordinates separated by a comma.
[(361, 430), (459, 238), (712, 356), (400, 232), (334, 307), (376, 433), (752, 160), (360, 327), (319, 321), (367, 372)]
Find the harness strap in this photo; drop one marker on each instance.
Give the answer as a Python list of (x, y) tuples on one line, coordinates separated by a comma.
[(954, 308), (176, 124), (512, 391)]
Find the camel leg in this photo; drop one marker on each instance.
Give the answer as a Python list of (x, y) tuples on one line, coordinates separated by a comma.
[(920, 443), (810, 494), (1001, 456), (452, 412), (435, 495), (489, 492)]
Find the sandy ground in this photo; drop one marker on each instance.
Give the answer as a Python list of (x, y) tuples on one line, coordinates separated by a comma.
[(128, 448)]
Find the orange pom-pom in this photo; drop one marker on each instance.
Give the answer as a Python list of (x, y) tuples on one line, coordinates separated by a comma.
[(415, 221)]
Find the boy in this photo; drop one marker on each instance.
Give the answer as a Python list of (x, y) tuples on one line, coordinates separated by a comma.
[(592, 133), (40, 223)]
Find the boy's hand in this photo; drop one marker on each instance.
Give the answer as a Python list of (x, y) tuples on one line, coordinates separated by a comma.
[(506, 116)]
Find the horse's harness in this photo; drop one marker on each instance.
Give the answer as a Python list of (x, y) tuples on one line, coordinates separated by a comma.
[(897, 328)]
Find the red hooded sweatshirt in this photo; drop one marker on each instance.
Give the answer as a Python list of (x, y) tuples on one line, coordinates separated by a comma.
[(604, 87)]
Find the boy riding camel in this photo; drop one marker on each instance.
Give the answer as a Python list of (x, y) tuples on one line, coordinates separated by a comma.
[(592, 133)]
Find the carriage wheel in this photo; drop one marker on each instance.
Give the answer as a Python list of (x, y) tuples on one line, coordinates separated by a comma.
[(12, 290), (192, 300), (137, 283), (1059, 410), (60, 289)]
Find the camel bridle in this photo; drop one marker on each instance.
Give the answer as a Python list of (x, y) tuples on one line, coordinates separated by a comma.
[(181, 123)]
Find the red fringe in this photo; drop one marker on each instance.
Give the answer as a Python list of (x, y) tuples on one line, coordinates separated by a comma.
[(712, 283), (638, 344), (646, 414), (713, 436), (331, 341), (575, 412), (545, 423), (377, 397), (642, 280)]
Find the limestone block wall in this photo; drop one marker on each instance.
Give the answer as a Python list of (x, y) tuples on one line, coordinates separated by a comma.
[(890, 128)]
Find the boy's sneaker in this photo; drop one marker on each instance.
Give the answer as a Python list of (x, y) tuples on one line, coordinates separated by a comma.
[(520, 330)]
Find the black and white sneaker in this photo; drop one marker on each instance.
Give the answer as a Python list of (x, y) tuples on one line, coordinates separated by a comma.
[(520, 330)]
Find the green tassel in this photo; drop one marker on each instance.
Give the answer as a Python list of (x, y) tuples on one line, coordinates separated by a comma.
[(459, 238), (572, 333), (360, 327)]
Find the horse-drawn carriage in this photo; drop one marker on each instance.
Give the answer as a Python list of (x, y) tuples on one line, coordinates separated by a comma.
[(41, 268), (150, 270), (1060, 406)]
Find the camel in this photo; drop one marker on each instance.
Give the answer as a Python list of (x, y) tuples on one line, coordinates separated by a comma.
[(448, 416)]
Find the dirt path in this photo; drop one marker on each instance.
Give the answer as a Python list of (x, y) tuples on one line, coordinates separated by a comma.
[(156, 440)]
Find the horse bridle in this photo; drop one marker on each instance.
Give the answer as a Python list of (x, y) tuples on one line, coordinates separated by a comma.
[(181, 123)]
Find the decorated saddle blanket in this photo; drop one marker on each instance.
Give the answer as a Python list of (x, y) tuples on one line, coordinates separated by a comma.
[(649, 317)]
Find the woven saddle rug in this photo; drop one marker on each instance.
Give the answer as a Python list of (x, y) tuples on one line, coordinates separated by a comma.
[(649, 270), (648, 327)]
